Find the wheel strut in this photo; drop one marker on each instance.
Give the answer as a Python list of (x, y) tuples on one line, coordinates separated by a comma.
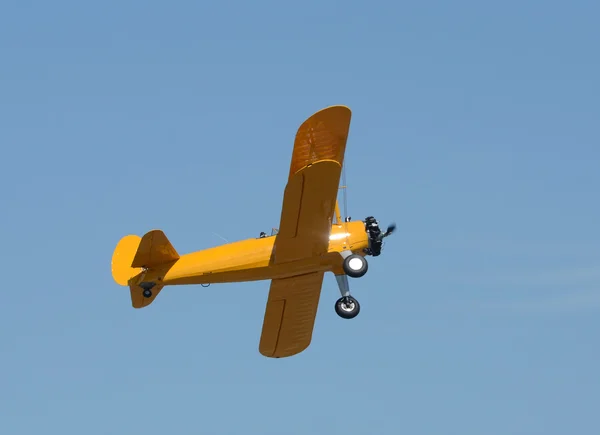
[(346, 307)]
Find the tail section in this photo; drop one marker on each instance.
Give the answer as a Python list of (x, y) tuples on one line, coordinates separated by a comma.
[(133, 255)]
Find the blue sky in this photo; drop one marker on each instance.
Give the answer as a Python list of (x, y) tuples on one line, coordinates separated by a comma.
[(475, 128)]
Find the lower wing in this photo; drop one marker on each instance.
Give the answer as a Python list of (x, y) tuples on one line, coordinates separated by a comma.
[(290, 315)]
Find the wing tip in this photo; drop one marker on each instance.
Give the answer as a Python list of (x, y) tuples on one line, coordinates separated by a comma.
[(276, 354)]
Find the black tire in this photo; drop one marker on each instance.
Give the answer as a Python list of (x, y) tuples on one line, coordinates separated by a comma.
[(347, 307), (147, 293), (355, 265)]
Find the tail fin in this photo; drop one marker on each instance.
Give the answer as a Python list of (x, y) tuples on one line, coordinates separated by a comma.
[(133, 254), (154, 250)]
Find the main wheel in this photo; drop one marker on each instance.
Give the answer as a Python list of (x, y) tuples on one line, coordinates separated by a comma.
[(147, 293), (355, 265), (347, 307)]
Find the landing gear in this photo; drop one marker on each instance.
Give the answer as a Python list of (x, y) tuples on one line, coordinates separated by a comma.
[(147, 293), (347, 307), (355, 265)]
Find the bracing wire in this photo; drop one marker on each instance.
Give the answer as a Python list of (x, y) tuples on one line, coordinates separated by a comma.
[(345, 196), (345, 199)]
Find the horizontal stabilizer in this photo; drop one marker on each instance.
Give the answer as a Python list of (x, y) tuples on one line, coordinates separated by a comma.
[(123, 255)]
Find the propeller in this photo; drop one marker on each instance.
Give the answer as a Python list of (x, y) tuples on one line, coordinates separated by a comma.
[(376, 236), (390, 229)]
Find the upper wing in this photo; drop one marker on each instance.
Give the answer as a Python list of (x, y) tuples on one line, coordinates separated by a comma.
[(321, 137), (290, 315), (313, 183), (306, 217)]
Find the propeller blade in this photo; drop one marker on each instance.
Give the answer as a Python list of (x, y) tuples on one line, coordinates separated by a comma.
[(390, 229)]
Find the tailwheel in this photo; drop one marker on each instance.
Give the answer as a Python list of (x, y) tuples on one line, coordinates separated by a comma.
[(347, 307), (147, 288), (355, 265)]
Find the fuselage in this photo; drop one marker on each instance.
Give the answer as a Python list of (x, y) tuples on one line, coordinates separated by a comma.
[(252, 259)]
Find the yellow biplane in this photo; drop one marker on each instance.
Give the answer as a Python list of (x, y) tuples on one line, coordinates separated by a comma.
[(311, 239)]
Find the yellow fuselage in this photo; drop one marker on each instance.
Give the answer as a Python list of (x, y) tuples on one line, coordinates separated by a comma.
[(252, 259)]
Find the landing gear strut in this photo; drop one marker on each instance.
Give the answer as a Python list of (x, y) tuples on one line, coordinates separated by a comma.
[(355, 266)]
